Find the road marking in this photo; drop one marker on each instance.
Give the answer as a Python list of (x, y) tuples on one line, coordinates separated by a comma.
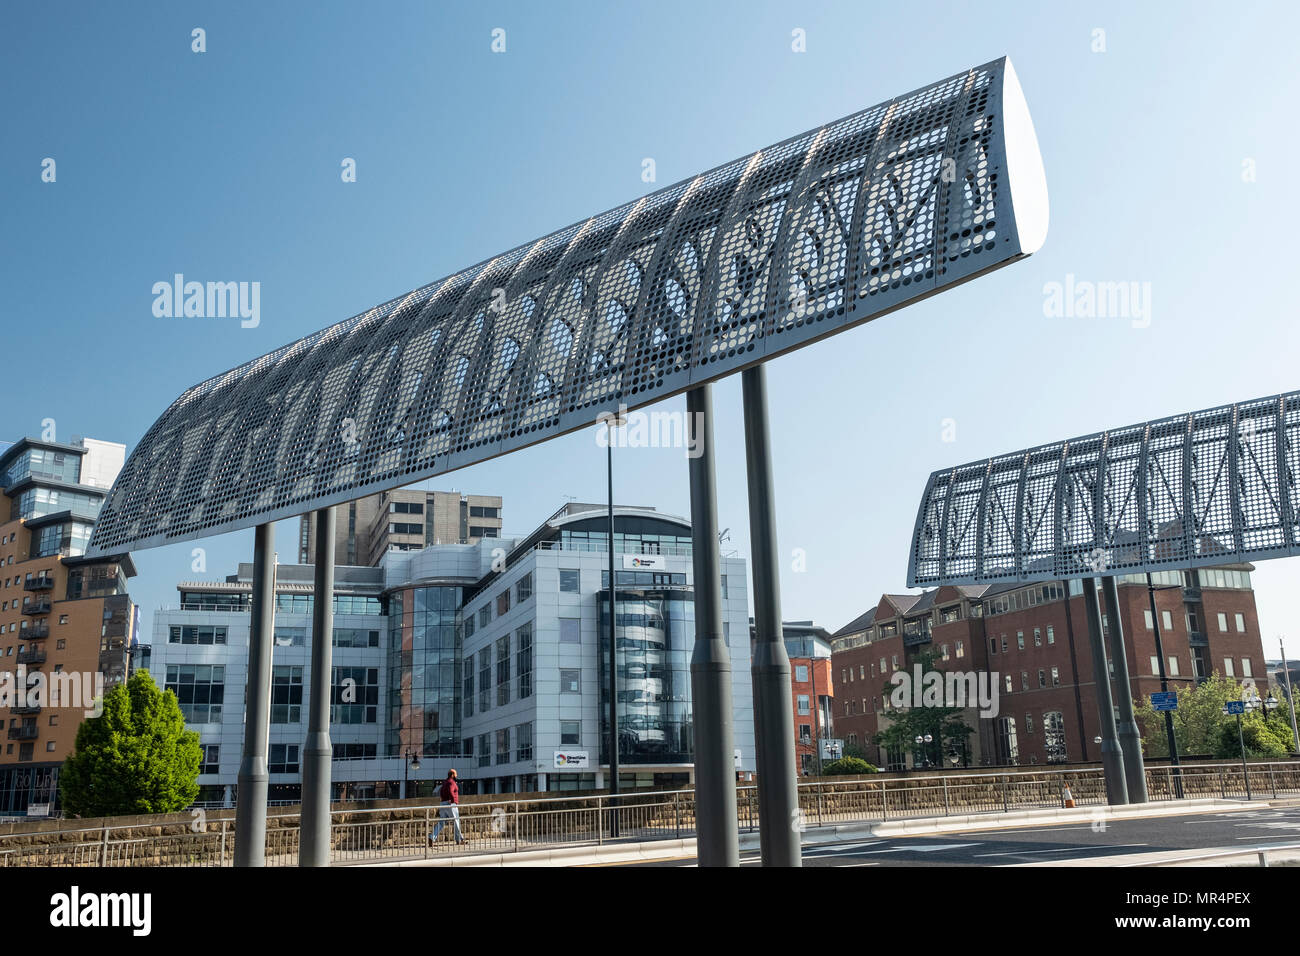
[(1067, 849), (922, 849)]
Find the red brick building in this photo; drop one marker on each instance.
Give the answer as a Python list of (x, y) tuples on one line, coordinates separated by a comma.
[(1030, 642), (812, 692)]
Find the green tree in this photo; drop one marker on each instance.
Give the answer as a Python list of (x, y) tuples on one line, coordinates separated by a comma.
[(945, 724), (847, 766), (1201, 727), (136, 757), (1264, 737)]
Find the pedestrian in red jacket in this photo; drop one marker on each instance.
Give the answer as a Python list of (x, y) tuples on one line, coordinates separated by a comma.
[(449, 794)]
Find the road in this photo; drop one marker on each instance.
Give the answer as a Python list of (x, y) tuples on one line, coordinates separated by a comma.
[(1006, 847)]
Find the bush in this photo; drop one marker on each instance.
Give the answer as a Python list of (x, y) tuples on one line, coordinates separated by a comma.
[(848, 766)]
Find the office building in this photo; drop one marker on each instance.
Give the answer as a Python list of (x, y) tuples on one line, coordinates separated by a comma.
[(489, 657), (66, 623), (403, 520), (812, 693)]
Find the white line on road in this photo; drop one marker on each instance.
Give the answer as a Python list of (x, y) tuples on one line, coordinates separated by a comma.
[(1067, 849)]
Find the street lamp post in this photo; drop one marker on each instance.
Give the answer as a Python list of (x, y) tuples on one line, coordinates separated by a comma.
[(411, 762), (612, 421), (926, 739)]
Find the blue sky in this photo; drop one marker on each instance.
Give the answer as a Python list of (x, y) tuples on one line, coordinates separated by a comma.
[(225, 165)]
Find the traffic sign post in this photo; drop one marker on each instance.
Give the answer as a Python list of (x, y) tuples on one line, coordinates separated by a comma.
[(1164, 700), (1237, 707)]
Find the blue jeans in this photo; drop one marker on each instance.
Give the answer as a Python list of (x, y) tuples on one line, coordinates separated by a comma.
[(449, 811)]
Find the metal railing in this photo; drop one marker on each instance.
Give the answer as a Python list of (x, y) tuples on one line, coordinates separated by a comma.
[(403, 832), (1259, 851)]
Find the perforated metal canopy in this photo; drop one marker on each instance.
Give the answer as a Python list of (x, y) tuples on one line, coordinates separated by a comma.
[(747, 261), (1205, 488)]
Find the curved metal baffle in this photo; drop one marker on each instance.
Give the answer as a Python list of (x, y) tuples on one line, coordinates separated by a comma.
[(744, 262)]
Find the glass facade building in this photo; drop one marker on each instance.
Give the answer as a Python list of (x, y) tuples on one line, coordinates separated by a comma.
[(424, 646)]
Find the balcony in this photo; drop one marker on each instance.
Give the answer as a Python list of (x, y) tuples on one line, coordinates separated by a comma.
[(37, 632), (1197, 639), (920, 637), (26, 709), (1191, 594), (42, 582), (40, 606), (27, 732), (33, 655)]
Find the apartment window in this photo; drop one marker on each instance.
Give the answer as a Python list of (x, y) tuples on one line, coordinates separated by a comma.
[(570, 680), (569, 581), (485, 615), (1038, 637), (570, 630), (1241, 623), (60, 644), (1029, 723), (1166, 620), (1155, 664), (1042, 677), (503, 603), (804, 707), (485, 679), (1007, 679), (1223, 622), (961, 649), (503, 745), (570, 733), (1056, 677), (844, 674), (862, 671), (1024, 680), (200, 689), (993, 645), (943, 650), (1245, 667), (49, 746), (503, 671), (1173, 667), (801, 673), (283, 759), (286, 695), (1146, 618), (850, 675), (196, 634), (1004, 643), (883, 668), (895, 660), (1227, 667), (1051, 634), (805, 732), (1020, 640), (524, 588), (524, 742)]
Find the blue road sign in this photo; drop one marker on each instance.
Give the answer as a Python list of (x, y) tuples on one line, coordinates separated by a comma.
[(1236, 707), (1164, 700)]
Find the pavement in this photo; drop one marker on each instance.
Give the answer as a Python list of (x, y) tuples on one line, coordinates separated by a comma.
[(1135, 835)]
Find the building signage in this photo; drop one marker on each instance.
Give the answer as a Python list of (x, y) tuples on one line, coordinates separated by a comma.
[(1164, 700), (572, 760), (645, 562)]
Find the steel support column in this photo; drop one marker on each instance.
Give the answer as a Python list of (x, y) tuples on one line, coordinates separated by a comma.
[(1130, 738), (314, 842), (718, 840), (250, 810), (1112, 757), (778, 793)]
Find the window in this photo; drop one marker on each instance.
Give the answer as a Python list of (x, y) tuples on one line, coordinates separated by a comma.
[(883, 668), (570, 681), (210, 760), (485, 679), (1042, 677), (723, 578), (1173, 666), (1146, 617), (286, 695), (804, 707), (1029, 723), (523, 591), (200, 689), (944, 652), (1024, 680), (1054, 736), (961, 648), (1056, 676), (485, 615), (993, 645), (1167, 620), (467, 685), (1038, 637), (503, 671), (1223, 621), (570, 630), (1245, 667), (570, 733), (354, 695), (862, 672), (850, 675), (805, 732), (1020, 640), (524, 742), (1227, 667), (485, 750), (1241, 623), (895, 660), (569, 581), (1007, 678), (197, 634), (524, 660), (1155, 664), (801, 673), (503, 745), (283, 759), (469, 625), (503, 602), (1051, 634), (1004, 643)]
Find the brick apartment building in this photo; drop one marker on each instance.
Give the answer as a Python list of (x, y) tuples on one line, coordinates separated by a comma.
[(60, 613), (1032, 640)]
